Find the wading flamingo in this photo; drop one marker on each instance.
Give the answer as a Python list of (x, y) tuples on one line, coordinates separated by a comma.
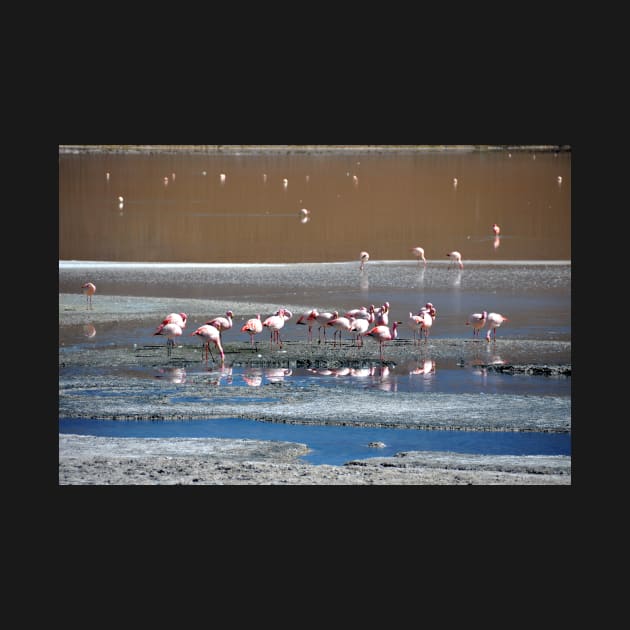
[(89, 290), (210, 334), (339, 324), (456, 258), (477, 321), (308, 319), (252, 326), (494, 321), (383, 334), (363, 257), (496, 229), (418, 252), (322, 319), (275, 323), (222, 323), (430, 308), (170, 331), (427, 322), (415, 323), (360, 326), (174, 318)]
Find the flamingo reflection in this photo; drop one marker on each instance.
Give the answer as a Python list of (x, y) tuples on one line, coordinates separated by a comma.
[(175, 375), (89, 331)]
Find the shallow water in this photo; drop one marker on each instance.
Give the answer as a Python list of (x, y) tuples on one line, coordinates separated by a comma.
[(333, 445)]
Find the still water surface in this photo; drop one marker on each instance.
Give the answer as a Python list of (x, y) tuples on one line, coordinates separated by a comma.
[(204, 207)]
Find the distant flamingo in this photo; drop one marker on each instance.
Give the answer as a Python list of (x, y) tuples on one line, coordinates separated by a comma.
[(252, 326), (418, 252), (222, 323), (89, 290), (339, 324), (275, 323), (363, 257), (494, 321), (170, 331), (496, 229), (456, 258), (322, 320), (477, 321), (359, 313), (308, 319), (210, 334), (383, 334)]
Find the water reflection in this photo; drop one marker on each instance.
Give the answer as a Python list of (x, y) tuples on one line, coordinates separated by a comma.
[(175, 375), (496, 242), (89, 331)]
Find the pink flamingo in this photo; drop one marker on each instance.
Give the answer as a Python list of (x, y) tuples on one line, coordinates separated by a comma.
[(210, 334), (363, 257), (477, 321), (418, 252), (383, 334), (359, 313), (496, 229), (456, 258), (381, 315), (308, 319), (430, 308), (222, 323), (494, 321), (175, 318), (322, 320), (415, 323), (427, 322), (89, 289), (275, 323), (339, 324), (360, 326), (170, 331), (252, 326)]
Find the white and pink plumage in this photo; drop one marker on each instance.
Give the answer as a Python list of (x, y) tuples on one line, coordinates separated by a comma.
[(89, 289), (322, 319), (210, 334), (383, 334), (339, 324), (494, 321), (359, 326), (426, 323), (418, 252), (456, 258), (222, 323), (170, 331), (307, 318), (175, 318), (275, 323), (477, 321), (415, 323), (253, 327), (363, 257), (496, 229)]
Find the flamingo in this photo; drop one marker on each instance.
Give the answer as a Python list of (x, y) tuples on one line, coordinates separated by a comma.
[(415, 323), (363, 257), (174, 318), (383, 334), (210, 334), (222, 323), (418, 252), (427, 322), (456, 258), (477, 321), (286, 313), (339, 324), (360, 326), (359, 313), (322, 320), (252, 326), (430, 308), (308, 319), (494, 321), (170, 331), (496, 229), (89, 289), (381, 315), (275, 323)]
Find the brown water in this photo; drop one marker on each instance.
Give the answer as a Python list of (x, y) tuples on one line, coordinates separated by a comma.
[(176, 207)]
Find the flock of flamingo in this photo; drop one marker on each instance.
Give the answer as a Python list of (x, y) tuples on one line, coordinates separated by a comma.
[(372, 321)]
